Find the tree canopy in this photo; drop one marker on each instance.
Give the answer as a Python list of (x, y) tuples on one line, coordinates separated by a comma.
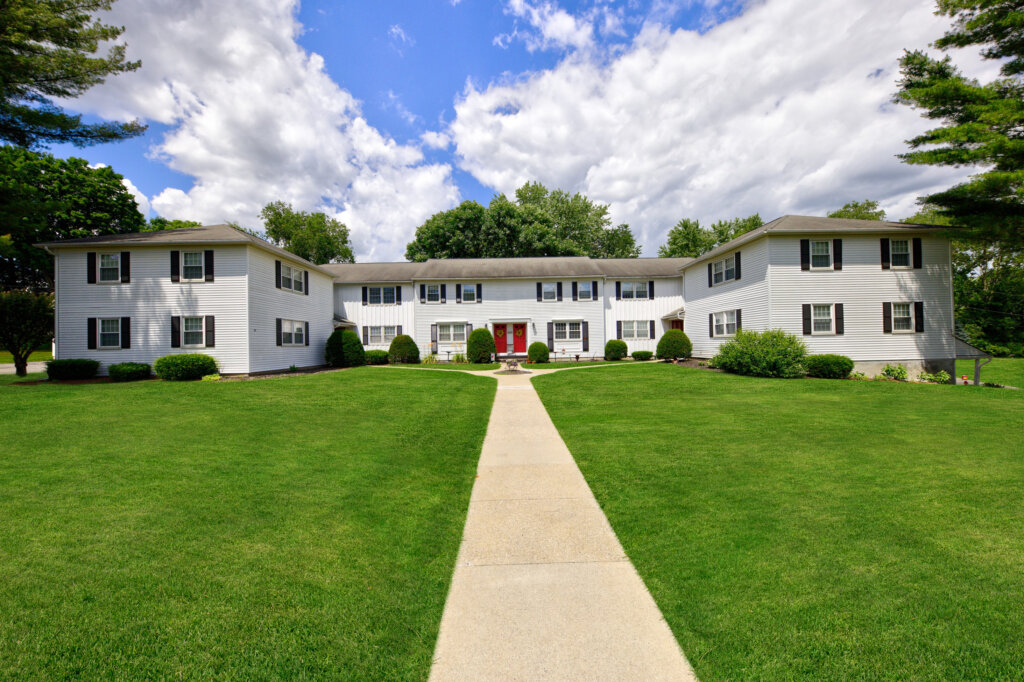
[(859, 210), (539, 222), (313, 236), (157, 224), (26, 322), (687, 239), (980, 124), (44, 198), (50, 49)]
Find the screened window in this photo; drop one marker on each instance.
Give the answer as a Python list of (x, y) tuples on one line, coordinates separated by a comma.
[(390, 332), (902, 317), (550, 291), (821, 254), (631, 290), (292, 278), (110, 333), (900, 253), (725, 323), (110, 267), (575, 330), (585, 292), (192, 265), (376, 335), (723, 270), (821, 317), (627, 329), (469, 293), (433, 293), (561, 331), (192, 331)]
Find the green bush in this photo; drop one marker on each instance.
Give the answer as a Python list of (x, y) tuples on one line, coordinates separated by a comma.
[(538, 352), (674, 345), (184, 367), (828, 366), (376, 357), (615, 349), (211, 377), (480, 346), (897, 372), (344, 349), (642, 355), (403, 351), (58, 370), (771, 353), (459, 359), (130, 371), (430, 359), (940, 377)]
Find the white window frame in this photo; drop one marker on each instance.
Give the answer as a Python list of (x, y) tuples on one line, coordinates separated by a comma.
[(201, 266), (381, 296), (375, 336), (892, 254), (293, 328), (434, 290), (451, 332), (628, 331), (828, 253), (721, 268), (561, 331), (831, 319), (909, 316), (185, 331), (634, 290), (444, 332), (295, 275), (722, 322), (588, 285), (546, 288), (99, 333), (466, 289), (575, 331), (116, 267), (635, 329)]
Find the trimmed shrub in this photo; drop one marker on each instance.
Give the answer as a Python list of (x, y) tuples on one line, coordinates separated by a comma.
[(538, 352), (828, 366), (58, 370), (674, 345), (480, 346), (344, 349), (642, 355), (940, 377), (615, 349), (376, 357), (771, 353), (184, 367), (403, 351), (130, 371)]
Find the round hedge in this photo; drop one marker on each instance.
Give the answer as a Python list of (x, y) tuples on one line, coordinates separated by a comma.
[(72, 368), (674, 345), (615, 349), (642, 355), (828, 366), (184, 367), (344, 349), (538, 352), (130, 371), (404, 351), (376, 357), (480, 346)]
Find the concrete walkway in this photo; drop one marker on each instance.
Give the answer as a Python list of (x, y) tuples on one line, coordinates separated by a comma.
[(542, 589), (8, 367)]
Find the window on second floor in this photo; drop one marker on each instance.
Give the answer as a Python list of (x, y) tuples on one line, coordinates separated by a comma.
[(381, 295), (821, 254), (110, 267), (724, 270), (433, 293), (633, 290), (550, 292), (900, 253), (292, 278), (585, 291), (469, 293)]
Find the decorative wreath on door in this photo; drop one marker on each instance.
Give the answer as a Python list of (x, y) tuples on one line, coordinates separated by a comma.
[(500, 331), (519, 332)]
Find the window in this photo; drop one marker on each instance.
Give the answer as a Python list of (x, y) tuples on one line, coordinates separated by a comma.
[(900, 253), (381, 295), (193, 332), (725, 323), (635, 329), (293, 333), (632, 290), (444, 333), (110, 267), (451, 333), (110, 333), (376, 335), (374, 295), (902, 317), (469, 293), (292, 278), (433, 293), (550, 291), (584, 292), (390, 333), (724, 270), (821, 254), (192, 265), (561, 331), (821, 319), (574, 330)]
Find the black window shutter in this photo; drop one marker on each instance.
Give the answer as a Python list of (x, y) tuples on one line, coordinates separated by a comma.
[(90, 331), (540, 292), (423, 293), (586, 335), (886, 260), (277, 276), (366, 295), (211, 338), (916, 249), (650, 288), (618, 291), (593, 290), (575, 291), (208, 265), (840, 321), (398, 330), (551, 336), (805, 254), (558, 291), (126, 332), (366, 335), (737, 265), (306, 335), (278, 326), (90, 267), (837, 254), (305, 282), (433, 338), (444, 293), (919, 316), (176, 266), (618, 330), (176, 331), (126, 267), (480, 293), (398, 296), (711, 325), (469, 329), (739, 319), (652, 329), (458, 293), (887, 318), (807, 319)]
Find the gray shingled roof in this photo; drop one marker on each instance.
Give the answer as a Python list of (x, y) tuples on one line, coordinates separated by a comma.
[(492, 268), (372, 272), (207, 234)]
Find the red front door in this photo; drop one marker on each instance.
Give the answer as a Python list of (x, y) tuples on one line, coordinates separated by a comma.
[(677, 324), (500, 340), (519, 338)]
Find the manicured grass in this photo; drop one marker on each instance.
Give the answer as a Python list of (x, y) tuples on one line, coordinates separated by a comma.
[(593, 363), (36, 356), (1005, 371), (8, 379), (464, 367), (812, 529), (294, 528)]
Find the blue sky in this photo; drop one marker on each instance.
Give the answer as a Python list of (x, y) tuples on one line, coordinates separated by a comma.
[(382, 113)]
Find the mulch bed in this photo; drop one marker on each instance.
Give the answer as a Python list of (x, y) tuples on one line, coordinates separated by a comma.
[(694, 363)]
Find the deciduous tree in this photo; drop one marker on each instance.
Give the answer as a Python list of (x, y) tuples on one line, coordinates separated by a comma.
[(687, 239), (157, 224), (313, 236), (26, 323), (859, 210)]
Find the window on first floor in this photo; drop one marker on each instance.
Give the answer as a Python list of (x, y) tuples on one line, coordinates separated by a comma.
[(635, 329), (902, 317), (110, 333), (633, 290), (822, 318), (110, 267), (821, 254), (293, 333), (384, 334), (451, 332), (725, 323), (193, 331), (469, 293)]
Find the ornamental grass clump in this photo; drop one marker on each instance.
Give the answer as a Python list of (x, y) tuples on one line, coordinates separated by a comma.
[(480, 346), (771, 353), (538, 352)]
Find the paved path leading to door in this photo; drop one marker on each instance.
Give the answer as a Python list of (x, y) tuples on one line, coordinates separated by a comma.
[(542, 589)]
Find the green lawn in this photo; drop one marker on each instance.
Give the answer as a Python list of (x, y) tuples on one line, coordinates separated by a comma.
[(1005, 371), (812, 529), (7, 379), (464, 367), (301, 527), (36, 356)]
